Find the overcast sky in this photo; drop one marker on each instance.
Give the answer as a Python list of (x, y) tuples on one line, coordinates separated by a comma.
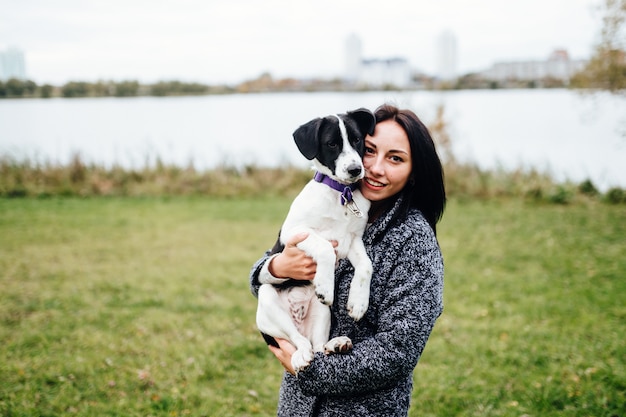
[(227, 41)]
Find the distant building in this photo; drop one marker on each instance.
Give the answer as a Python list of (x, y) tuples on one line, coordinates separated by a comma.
[(375, 72), (385, 72), (447, 62), (558, 66), (12, 64), (354, 53)]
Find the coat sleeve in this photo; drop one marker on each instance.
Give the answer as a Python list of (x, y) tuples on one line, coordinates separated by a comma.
[(255, 272), (412, 302)]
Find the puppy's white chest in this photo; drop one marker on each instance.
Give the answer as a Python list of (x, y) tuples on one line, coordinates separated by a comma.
[(320, 208)]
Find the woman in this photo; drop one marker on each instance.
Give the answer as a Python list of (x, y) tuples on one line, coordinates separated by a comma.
[(404, 181)]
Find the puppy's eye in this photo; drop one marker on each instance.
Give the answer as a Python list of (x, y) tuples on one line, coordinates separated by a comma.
[(357, 141), (332, 145)]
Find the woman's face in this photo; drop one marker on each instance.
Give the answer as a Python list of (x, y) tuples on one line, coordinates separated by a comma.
[(387, 161)]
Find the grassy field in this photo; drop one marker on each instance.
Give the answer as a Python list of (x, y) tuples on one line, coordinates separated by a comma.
[(141, 307)]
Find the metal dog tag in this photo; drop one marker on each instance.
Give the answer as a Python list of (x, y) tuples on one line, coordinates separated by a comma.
[(354, 209)]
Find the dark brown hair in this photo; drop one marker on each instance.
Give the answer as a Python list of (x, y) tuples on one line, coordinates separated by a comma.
[(425, 189)]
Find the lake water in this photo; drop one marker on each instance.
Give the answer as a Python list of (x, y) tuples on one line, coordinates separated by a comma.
[(562, 132)]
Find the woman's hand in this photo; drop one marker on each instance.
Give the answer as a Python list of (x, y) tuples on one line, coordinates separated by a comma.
[(283, 353), (293, 262)]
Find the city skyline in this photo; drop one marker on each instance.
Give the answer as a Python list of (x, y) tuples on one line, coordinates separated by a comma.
[(396, 71), (215, 42)]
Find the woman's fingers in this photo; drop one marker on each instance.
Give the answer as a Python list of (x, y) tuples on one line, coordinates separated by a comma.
[(284, 353), (297, 238)]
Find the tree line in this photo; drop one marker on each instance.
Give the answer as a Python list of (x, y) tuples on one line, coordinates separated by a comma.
[(16, 88), (598, 75)]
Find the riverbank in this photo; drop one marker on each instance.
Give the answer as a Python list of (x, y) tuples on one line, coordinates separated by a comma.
[(81, 179)]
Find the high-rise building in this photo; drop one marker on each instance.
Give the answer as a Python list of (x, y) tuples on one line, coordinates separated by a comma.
[(354, 57), (12, 64), (446, 50)]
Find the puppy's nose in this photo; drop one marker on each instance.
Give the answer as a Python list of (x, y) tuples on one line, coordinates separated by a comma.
[(354, 170)]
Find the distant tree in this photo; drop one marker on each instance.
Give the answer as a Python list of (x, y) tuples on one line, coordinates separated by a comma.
[(46, 91), (194, 88), (606, 69), (30, 87), (15, 87), (3, 89), (126, 89), (75, 89), (101, 89), (159, 89), (177, 88)]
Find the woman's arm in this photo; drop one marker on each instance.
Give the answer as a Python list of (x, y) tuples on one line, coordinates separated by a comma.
[(276, 268), (413, 300)]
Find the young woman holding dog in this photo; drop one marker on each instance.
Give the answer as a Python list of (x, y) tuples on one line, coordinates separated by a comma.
[(404, 181)]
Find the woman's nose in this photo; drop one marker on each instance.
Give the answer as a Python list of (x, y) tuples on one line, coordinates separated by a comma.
[(376, 166)]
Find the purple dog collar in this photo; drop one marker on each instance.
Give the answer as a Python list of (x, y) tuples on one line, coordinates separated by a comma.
[(345, 190)]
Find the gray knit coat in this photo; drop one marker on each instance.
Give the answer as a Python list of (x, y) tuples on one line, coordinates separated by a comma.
[(376, 377)]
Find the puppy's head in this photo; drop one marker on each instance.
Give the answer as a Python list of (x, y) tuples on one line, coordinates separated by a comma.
[(335, 143)]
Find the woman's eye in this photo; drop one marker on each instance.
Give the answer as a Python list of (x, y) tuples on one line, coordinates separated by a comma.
[(369, 150)]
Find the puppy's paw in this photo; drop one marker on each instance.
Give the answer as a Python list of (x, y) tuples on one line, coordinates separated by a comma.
[(325, 293), (341, 344), (358, 302), (359, 297), (301, 359), (357, 311)]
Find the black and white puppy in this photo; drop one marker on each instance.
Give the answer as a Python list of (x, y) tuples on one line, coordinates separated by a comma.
[(330, 207)]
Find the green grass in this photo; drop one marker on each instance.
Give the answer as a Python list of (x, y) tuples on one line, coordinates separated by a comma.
[(141, 307)]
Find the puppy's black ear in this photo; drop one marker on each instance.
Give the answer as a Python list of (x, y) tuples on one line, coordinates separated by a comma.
[(306, 137), (364, 119)]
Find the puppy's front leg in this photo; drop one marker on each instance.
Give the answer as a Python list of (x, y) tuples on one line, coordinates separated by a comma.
[(322, 251), (359, 297)]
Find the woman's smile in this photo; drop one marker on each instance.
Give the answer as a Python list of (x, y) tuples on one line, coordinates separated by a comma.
[(373, 183)]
